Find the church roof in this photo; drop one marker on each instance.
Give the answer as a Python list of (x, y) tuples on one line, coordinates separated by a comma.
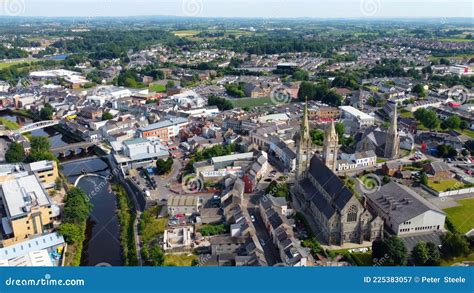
[(339, 194)]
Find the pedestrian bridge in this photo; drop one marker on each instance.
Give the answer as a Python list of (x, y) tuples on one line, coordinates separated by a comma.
[(36, 126)]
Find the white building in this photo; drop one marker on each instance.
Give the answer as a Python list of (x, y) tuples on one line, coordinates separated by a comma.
[(460, 70), (357, 161), (139, 152), (351, 113), (4, 86), (404, 211), (189, 99)]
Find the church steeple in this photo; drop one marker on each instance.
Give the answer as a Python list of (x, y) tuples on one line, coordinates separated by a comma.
[(305, 122), (330, 147), (392, 140), (303, 145)]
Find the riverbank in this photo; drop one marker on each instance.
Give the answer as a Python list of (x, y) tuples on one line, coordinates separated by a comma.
[(127, 215)]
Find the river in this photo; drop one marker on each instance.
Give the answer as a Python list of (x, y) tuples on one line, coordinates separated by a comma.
[(56, 139), (102, 244)]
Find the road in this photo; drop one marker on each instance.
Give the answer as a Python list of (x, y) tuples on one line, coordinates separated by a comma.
[(270, 251)]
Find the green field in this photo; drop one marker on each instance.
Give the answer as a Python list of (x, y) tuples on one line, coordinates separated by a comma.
[(444, 185), (460, 40), (462, 216), (406, 114), (186, 33), (9, 124), (159, 88), (4, 65), (179, 260), (150, 225)]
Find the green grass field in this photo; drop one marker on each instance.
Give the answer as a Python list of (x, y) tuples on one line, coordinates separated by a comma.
[(9, 124), (462, 216), (444, 185), (4, 65), (457, 40), (179, 260), (150, 225), (406, 114), (186, 33), (159, 88)]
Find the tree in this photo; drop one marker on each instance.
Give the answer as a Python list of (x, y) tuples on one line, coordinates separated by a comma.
[(453, 122), (164, 167), (420, 254), (157, 256), (317, 136), (428, 118), (340, 130), (454, 245), (71, 232), (170, 84), (278, 189), (469, 145), (77, 207), (221, 103), (464, 124), (424, 178), (419, 90), (446, 151), (40, 143), (392, 250), (46, 112), (107, 116), (433, 254), (15, 153), (40, 150)]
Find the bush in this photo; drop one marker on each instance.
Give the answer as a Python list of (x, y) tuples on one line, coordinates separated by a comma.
[(213, 229)]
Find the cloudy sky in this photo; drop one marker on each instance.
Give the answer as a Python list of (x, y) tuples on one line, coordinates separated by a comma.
[(242, 8)]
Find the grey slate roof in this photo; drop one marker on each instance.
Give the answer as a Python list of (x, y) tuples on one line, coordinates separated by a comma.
[(331, 183), (401, 202)]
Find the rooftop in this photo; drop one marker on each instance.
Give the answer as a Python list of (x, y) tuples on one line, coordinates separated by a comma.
[(21, 194)]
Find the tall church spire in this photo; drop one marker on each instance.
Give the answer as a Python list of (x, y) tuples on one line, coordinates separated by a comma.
[(330, 147), (305, 122), (392, 140), (303, 146)]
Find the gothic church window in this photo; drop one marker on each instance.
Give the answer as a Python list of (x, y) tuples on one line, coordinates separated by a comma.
[(352, 214)]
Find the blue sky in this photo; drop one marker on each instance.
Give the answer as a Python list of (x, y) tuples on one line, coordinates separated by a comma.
[(242, 8)]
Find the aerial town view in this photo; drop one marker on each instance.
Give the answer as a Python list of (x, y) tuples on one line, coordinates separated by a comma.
[(206, 140)]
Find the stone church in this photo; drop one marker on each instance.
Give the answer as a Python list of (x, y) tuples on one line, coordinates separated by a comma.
[(331, 208), (385, 143)]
